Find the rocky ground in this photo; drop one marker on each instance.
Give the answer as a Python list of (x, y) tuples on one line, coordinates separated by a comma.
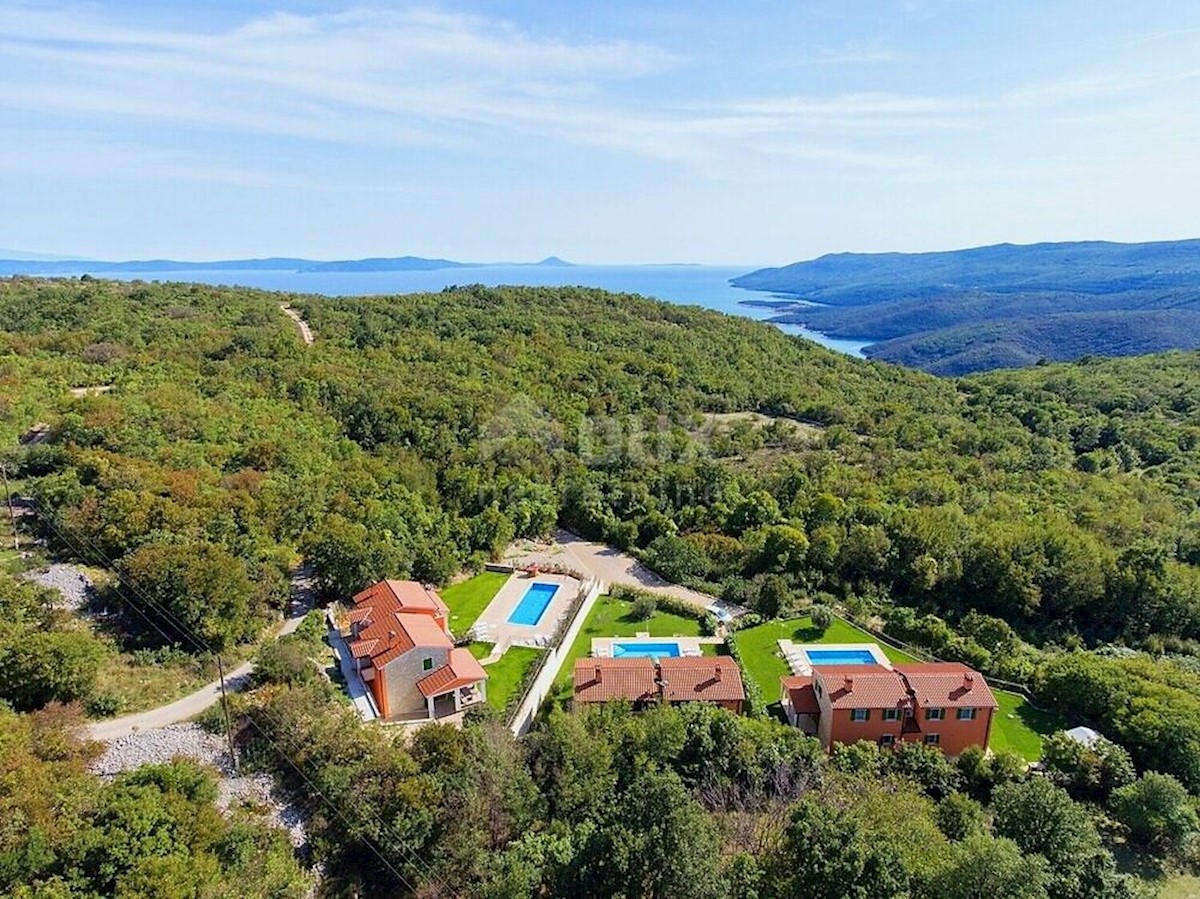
[(71, 582), (164, 743)]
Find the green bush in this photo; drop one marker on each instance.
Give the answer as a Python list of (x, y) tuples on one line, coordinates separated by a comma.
[(644, 607)]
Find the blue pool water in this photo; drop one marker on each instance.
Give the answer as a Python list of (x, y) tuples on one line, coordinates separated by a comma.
[(533, 604), (840, 657), (645, 650)]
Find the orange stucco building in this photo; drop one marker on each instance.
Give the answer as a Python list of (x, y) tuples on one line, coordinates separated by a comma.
[(942, 704)]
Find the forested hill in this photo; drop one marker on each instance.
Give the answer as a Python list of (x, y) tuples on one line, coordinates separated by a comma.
[(1041, 525), (999, 306)]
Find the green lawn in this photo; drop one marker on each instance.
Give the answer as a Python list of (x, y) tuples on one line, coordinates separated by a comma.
[(1019, 727), (467, 599), (612, 618), (505, 674), (760, 648)]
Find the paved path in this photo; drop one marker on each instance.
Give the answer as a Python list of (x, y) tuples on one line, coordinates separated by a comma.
[(305, 331), (604, 563), (303, 594)]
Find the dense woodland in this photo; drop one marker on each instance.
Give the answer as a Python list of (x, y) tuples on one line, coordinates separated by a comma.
[(1040, 524)]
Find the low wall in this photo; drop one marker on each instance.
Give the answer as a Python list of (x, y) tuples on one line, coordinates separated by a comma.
[(553, 661)]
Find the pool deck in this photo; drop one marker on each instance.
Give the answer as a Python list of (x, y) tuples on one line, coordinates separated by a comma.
[(493, 625), (796, 657), (688, 646)]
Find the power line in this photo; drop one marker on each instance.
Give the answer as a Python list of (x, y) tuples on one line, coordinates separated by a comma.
[(189, 634)]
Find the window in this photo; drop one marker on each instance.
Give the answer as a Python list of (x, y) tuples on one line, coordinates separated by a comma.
[(966, 714), (891, 714), (935, 714), (860, 714), (887, 740), (817, 688), (932, 739), (427, 663)]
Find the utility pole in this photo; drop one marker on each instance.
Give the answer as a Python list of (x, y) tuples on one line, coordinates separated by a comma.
[(12, 515), (228, 720)]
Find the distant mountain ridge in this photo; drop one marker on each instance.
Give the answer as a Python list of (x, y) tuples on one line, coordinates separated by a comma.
[(988, 307), (43, 264)]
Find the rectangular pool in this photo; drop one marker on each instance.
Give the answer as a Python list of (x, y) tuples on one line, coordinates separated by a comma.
[(645, 650), (840, 657), (532, 607)]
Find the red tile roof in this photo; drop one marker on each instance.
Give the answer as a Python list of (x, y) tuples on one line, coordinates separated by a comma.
[(947, 685), (802, 695), (711, 679), (396, 633), (861, 686), (402, 595), (461, 671), (599, 680)]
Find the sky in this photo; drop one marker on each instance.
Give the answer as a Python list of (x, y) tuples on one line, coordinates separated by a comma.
[(757, 132)]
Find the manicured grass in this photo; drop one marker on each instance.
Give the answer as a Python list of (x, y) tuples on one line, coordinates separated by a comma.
[(506, 673), (1019, 727), (467, 599), (613, 618), (760, 648)]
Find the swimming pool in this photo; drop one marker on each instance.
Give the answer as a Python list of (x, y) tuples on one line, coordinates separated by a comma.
[(645, 650), (841, 657), (532, 607)]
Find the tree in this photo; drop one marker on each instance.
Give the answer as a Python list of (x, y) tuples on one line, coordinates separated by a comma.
[(39, 667), (1157, 810), (1087, 772), (675, 558), (754, 511), (203, 586), (824, 855), (959, 816), (784, 549), (986, 867), (926, 766), (654, 841), (1040, 817), (822, 618)]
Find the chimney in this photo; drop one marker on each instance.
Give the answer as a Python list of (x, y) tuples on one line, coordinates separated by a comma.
[(849, 684), (391, 637), (968, 681), (717, 676), (599, 675)]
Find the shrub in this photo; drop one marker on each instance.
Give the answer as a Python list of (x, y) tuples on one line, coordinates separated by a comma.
[(103, 705), (755, 708), (644, 607)]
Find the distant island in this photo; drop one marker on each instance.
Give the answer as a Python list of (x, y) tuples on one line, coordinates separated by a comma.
[(45, 264), (1000, 306)]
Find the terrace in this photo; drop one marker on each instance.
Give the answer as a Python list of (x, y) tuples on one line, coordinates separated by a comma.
[(484, 607)]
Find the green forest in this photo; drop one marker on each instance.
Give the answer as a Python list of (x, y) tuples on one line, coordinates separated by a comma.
[(1038, 524)]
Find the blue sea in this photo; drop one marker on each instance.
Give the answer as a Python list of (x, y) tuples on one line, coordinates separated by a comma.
[(699, 285)]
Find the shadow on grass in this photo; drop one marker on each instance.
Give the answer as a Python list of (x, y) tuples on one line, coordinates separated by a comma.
[(1042, 722)]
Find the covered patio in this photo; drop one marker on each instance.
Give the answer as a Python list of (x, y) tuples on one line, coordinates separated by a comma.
[(458, 684)]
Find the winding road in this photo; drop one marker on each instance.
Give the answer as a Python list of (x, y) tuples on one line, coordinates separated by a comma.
[(303, 595)]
